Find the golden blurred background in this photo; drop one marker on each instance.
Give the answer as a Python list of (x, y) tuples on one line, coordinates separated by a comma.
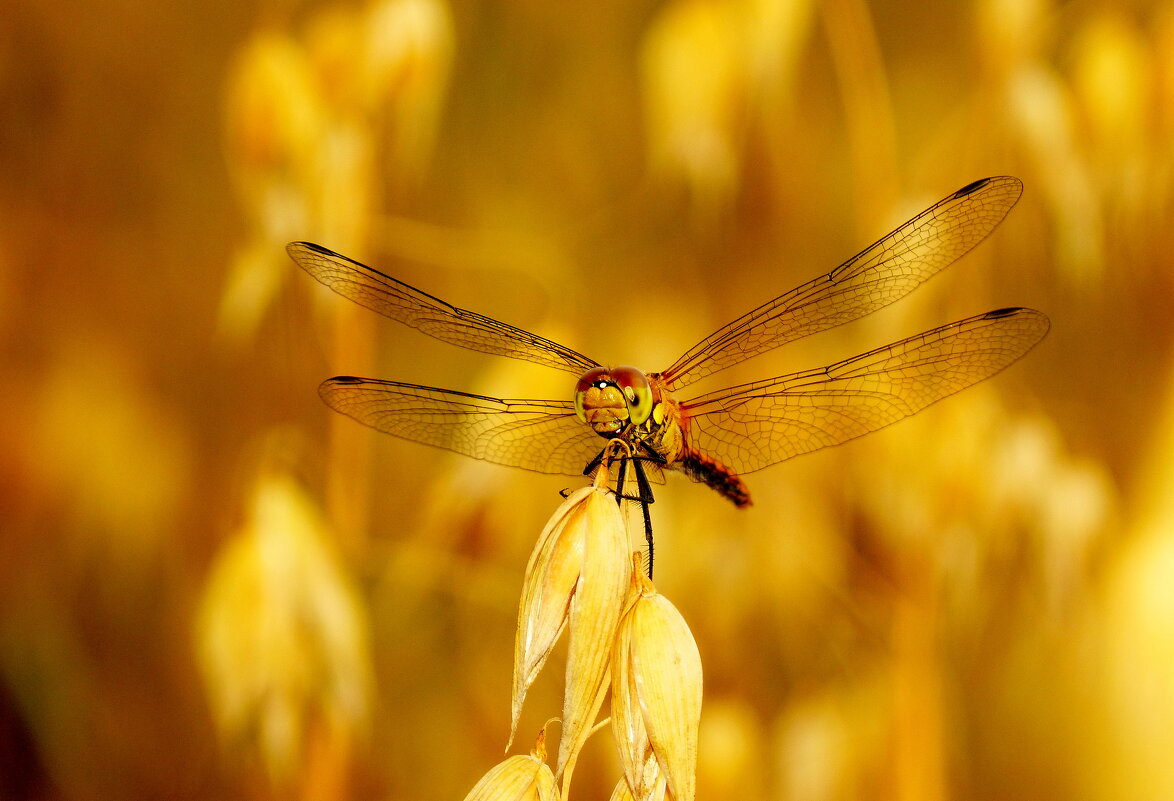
[(213, 587)]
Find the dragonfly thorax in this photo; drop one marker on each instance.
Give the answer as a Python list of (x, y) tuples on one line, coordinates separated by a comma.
[(611, 399)]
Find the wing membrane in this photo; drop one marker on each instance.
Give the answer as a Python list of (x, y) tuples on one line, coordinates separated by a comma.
[(880, 274), (544, 436), (402, 303), (756, 425)]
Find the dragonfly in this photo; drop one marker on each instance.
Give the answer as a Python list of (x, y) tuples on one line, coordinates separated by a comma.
[(623, 414)]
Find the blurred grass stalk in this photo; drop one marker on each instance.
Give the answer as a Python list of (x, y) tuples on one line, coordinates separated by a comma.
[(325, 130)]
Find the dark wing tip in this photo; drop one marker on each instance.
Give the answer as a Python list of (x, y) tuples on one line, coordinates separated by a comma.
[(1040, 320), (974, 186), (294, 247), (1009, 311), (298, 251), (332, 388), (1012, 311)]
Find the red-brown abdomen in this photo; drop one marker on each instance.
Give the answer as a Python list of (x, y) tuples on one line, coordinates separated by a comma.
[(712, 473)]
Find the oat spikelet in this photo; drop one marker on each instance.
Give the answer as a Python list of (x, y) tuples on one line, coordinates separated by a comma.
[(519, 778), (576, 578), (656, 695)]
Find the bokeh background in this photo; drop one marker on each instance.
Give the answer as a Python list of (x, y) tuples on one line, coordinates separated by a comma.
[(212, 587)]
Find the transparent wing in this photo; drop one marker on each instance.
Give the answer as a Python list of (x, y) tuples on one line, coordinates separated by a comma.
[(402, 303), (544, 436), (752, 426), (885, 271)]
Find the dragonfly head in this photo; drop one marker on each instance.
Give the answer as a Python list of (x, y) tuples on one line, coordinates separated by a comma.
[(609, 400)]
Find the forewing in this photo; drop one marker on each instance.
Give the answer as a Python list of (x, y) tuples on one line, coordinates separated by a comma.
[(540, 435), (402, 303), (755, 425), (883, 272)]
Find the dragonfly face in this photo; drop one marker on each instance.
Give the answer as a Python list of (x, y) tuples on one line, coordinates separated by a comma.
[(625, 404), (715, 437), (612, 400)]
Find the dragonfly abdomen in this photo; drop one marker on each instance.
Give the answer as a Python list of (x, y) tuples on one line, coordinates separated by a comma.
[(714, 474)]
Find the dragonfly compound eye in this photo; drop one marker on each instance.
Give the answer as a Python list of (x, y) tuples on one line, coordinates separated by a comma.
[(595, 378), (637, 391)]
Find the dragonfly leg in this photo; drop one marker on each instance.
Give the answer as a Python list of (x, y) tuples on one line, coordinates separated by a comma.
[(643, 487), (616, 452), (646, 499), (594, 463), (620, 479)]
